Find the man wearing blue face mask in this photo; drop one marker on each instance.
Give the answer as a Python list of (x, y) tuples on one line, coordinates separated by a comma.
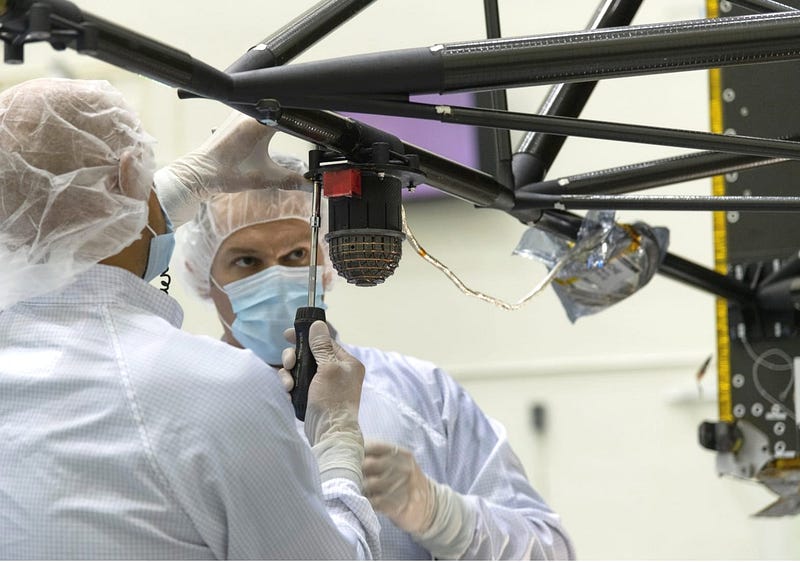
[(441, 474), (256, 290), (263, 306), (123, 436)]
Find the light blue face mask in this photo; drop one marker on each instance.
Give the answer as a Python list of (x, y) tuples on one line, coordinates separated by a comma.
[(265, 305), (161, 248)]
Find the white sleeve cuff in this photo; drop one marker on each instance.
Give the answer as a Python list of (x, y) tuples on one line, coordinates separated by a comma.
[(179, 202), (340, 454), (453, 525)]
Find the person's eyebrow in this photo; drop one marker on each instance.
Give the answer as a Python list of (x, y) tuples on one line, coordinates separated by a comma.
[(241, 250)]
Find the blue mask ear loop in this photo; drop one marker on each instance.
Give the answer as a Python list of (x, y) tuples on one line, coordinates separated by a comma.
[(219, 316), (164, 277)]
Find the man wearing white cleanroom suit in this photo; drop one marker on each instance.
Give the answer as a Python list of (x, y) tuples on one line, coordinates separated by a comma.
[(123, 436), (443, 474)]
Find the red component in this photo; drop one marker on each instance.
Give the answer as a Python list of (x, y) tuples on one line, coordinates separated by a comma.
[(342, 183)]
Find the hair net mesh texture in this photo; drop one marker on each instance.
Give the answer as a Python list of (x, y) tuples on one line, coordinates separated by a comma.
[(62, 208), (224, 214)]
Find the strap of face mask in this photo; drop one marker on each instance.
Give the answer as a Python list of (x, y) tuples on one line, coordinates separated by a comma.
[(217, 285), (228, 326), (221, 319)]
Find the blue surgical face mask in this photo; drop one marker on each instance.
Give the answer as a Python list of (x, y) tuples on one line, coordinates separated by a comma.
[(161, 248), (265, 305)]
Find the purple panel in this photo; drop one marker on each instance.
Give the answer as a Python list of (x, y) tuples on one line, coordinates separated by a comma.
[(456, 142)]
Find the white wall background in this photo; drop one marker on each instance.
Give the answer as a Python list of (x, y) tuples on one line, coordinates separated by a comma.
[(619, 457)]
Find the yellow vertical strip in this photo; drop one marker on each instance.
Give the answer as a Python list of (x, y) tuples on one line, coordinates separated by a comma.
[(720, 245)]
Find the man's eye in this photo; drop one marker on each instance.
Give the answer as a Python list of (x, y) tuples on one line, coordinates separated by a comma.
[(246, 261), (298, 255)]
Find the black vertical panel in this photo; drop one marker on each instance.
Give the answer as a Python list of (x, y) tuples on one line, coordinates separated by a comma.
[(762, 100)]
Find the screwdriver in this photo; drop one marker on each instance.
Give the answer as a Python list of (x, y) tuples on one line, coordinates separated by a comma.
[(305, 366)]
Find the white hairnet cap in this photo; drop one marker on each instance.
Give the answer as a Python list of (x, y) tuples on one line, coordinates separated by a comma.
[(62, 208), (226, 213)]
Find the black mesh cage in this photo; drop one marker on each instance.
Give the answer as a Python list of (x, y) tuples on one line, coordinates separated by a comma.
[(365, 234)]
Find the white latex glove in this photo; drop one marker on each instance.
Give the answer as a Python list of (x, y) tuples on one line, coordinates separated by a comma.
[(438, 518), (288, 359), (234, 158), (395, 486), (334, 396)]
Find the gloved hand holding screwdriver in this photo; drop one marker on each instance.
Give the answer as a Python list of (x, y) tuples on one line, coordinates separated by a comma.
[(331, 422), (434, 514)]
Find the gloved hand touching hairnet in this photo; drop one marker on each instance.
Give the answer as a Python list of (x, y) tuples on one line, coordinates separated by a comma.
[(234, 158), (334, 396), (438, 518)]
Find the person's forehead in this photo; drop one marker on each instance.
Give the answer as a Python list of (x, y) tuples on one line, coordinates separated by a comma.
[(268, 235)]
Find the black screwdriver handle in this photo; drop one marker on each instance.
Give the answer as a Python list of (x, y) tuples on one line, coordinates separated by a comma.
[(306, 366)]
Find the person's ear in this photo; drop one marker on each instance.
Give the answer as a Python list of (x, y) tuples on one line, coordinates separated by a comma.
[(190, 271), (133, 180), (127, 172)]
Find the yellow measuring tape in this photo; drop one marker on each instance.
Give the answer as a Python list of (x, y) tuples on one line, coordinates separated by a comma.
[(720, 245)]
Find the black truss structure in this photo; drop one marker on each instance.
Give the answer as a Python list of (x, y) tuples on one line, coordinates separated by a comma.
[(261, 85)]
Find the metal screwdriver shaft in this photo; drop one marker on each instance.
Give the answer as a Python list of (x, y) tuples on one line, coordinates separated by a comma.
[(306, 366), (314, 221)]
